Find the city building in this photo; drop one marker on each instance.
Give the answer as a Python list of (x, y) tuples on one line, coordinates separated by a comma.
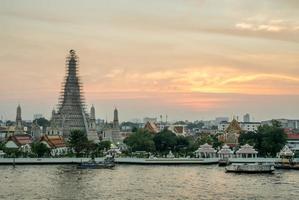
[(246, 118), (36, 131), (285, 123), (71, 113), (149, 119), (293, 141), (218, 120), (37, 116), (245, 126), (151, 127), (177, 129)]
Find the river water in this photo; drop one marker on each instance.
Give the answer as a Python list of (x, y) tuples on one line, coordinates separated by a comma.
[(143, 182)]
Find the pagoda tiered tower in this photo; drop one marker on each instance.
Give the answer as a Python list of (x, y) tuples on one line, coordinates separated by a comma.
[(71, 113), (19, 129)]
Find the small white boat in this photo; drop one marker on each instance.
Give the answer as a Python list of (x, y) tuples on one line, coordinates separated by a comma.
[(250, 168)]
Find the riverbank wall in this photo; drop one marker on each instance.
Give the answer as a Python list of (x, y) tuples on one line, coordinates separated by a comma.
[(140, 161)]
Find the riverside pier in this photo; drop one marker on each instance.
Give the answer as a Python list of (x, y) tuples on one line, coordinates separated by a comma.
[(133, 161)]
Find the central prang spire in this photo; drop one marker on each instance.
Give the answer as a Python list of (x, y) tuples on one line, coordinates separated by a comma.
[(71, 93), (72, 64), (71, 114)]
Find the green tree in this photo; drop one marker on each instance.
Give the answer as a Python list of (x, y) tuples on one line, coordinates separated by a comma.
[(272, 141), (141, 140), (216, 143), (165, 141), (90, 148), (104, 145), (78, 141), (268, 140), (43, 122), (40, 149), (251, 138), (9, 123), (2, 145), (182, 145)]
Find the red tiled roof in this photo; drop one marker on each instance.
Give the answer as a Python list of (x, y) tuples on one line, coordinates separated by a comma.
[(21, 139), (151, 127), (179, 129), (293, 136), (54, 141)]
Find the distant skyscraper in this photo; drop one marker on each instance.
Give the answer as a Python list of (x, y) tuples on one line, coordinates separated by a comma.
[(37, 116), (150, 119), (246, 118), (36, 131), (71, 114), (218, 120), (19, 129)]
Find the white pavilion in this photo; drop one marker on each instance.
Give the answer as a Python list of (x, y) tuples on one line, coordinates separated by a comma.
[(286, 152), (206, 151), (246, 151), (225, 152)]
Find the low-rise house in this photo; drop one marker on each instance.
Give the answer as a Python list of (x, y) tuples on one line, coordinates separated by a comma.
[(55, 143), (285, 123), (245, 126), (151, 127), (22, 142), (293, 141), (177, 129), (7, 131)]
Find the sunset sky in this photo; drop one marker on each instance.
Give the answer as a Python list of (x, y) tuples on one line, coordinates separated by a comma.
[(189, 59)]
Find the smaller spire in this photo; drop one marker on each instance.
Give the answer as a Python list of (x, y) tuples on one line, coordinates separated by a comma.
[(19, 113), (115, 119), (92, 113)]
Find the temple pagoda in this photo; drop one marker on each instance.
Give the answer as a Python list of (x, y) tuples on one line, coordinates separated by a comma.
[(71, 113)]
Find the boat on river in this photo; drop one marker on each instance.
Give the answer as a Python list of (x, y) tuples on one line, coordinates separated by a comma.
[(251, 168), (223, 162), (108, 163), (287, 165)]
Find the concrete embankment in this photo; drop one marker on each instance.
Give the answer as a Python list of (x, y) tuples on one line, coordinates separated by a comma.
[(141, 161)]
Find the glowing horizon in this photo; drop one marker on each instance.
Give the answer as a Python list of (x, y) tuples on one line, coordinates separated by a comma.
[(194, 59)]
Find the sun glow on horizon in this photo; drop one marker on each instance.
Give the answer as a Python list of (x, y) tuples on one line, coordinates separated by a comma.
[(188, 57)]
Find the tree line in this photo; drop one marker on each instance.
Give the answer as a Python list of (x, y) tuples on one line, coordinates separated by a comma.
[(268, 141)]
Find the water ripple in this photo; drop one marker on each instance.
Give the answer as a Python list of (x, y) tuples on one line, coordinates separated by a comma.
[(143, 182)]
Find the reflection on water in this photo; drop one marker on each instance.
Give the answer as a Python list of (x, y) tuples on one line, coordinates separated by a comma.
[(143, 182)]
